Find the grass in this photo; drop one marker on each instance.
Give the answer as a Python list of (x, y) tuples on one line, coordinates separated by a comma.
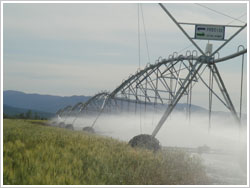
[(35, 154)]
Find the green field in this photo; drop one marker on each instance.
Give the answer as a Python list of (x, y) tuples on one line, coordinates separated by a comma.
[(36, 154)]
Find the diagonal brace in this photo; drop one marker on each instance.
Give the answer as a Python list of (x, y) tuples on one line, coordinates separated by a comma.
[(189, 78)]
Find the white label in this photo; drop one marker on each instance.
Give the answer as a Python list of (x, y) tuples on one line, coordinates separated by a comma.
[(209, 32)]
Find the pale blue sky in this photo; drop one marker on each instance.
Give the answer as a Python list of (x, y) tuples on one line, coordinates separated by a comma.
[(80, 49)]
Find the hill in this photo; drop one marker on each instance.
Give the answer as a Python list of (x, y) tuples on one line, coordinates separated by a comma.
[(50, 103), (35, 154), (44, 103)]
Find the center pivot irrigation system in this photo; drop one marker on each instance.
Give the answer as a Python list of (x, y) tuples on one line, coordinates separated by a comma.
[(164, 84)]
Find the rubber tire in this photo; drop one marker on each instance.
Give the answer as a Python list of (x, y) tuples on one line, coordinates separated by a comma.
[(89, 130), (62, 125), (69, 126), (145, 141)]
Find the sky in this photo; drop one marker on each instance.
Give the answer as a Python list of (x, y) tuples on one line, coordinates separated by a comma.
[(83, 48)]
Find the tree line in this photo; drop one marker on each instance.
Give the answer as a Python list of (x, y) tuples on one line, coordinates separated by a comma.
[(27, 115)]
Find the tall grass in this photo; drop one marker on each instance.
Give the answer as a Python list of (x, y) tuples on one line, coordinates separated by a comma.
[(36, 155)]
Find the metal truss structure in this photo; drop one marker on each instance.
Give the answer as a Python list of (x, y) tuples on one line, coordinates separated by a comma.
[(163, 84)]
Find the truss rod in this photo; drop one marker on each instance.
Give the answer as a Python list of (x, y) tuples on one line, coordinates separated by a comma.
[(165, 84), (178, 96), (219, 48), (185, 33), (224, 92), (152, 97), (102, 108), (241, 83), (155, 89), (211, 90), (210, 98), (144, 92)]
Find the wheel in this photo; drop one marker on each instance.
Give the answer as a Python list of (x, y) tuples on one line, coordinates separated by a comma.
[(88, 129), (62, 125), (69, 126), (145, 141)]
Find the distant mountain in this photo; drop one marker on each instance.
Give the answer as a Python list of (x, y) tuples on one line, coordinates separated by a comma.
[(44, 103), (51, 104), (12, 111), (194, 108)]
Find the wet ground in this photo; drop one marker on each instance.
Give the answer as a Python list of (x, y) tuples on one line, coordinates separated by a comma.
[(225, 169)]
